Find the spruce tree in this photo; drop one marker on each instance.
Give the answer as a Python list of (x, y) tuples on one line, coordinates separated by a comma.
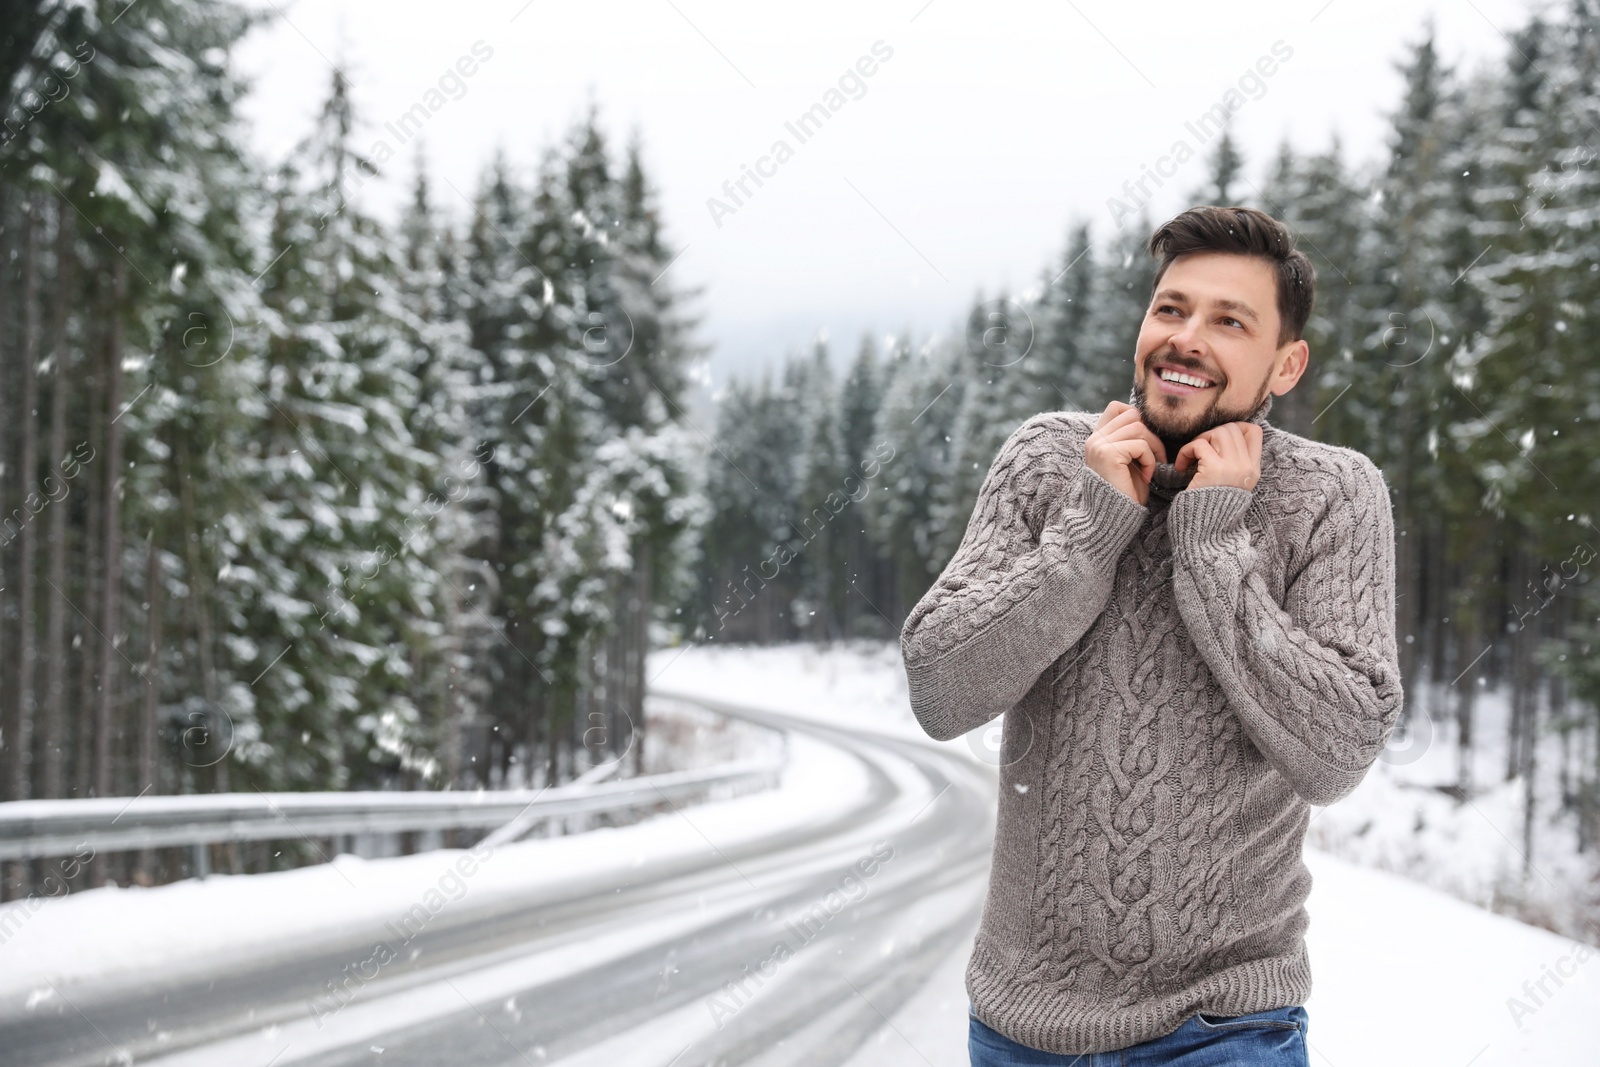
[(340, 578), (1066, 359), (864, 560)]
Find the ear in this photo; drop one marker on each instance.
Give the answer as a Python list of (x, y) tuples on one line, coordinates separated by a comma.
[(1292, 361)]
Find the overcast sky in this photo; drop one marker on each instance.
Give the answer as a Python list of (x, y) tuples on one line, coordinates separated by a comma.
[(957, 164)]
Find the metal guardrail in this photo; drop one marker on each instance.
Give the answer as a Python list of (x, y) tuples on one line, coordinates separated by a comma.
[(35, 829)]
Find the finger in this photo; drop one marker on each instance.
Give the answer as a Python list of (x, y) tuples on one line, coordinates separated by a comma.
[(1113, 409), (1253, 439), (1206, 436), (1122, 428), (1229, 442), (1249, 438), (1136, 452), (1147, 464), (1129, 424), (1110, 425), (1202, 452), (1152, 443), (1222, 439), (1128, 417)]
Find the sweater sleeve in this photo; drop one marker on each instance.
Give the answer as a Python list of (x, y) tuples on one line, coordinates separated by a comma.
[(1008, 604), (1316, 681)]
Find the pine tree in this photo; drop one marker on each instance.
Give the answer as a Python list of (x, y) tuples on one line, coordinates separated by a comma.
[(455, 638), (1065, 359), (1226, 171), (916, 421), (591, 487), (991, 368), (339, 584), (1121, 297), (1326, 213), (865, 562), (738, 539), (1413, 324), (819, 515)]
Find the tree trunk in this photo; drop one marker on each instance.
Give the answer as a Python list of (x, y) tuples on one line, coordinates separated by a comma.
[(13, 876), (1530, 747), (21, 736), (1408, 607), (1466, 688), (1565, 779), (8, 531), (86, 643), (1515, 676), (54, 710), (559, 696), (1589, 810), (110, 599), (1441, 616), (199, 604), (149, 768), (644, 593), (454, 678), (149, 725), (534, 738)]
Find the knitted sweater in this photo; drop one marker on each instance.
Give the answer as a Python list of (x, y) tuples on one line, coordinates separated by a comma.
[(1188, 677)]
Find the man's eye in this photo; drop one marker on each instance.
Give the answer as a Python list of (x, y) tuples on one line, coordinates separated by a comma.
[(1235, 322), (1166, 307)]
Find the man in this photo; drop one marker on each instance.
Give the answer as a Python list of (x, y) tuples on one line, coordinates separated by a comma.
[(1189, 615)]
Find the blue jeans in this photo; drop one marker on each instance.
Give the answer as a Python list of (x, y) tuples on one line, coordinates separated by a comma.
[(1275, 1038)]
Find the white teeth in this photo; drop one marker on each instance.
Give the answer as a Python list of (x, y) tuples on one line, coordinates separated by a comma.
[(1182, 378)]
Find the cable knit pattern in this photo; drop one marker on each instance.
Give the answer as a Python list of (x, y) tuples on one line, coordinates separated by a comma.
[(1193, 674)]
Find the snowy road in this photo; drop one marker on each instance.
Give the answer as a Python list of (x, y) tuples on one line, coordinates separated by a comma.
[(791, 947)]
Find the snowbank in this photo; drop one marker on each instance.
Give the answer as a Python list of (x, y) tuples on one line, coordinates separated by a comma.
[(116, 933)]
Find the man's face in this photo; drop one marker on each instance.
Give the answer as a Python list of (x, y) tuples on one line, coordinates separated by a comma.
[(1214, 317)]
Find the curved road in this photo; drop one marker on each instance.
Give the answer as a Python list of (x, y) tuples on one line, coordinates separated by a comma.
[(791, 949)]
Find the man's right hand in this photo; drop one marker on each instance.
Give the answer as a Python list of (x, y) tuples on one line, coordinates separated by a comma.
[(1124, 451)]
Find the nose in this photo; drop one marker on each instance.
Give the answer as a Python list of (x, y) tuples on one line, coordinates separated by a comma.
[(1187, 339)]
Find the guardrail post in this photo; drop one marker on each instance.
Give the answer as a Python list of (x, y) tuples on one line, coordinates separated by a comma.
[(202, 859)]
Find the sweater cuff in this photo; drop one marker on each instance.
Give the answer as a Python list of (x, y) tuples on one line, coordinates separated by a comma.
[(1210, 515), (1104, 521)]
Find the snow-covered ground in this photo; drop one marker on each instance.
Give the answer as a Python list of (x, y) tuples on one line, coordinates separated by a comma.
[(1397, 821), (682, 737), (112, 933), (1405, 974), (1406, 971), (1393, 821), (860, 684)]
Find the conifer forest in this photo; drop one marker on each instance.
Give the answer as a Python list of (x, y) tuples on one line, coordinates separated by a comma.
[(295, 497)]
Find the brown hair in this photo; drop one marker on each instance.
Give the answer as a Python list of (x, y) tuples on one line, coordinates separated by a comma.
[(1244, 231)]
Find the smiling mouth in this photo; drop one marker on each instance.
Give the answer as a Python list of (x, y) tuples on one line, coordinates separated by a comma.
[(1183, 378), (1177, 381)]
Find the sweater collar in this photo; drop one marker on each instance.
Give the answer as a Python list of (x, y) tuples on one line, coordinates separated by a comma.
[(1168, 481)]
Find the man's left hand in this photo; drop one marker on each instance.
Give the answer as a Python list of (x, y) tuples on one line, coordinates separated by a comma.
[(1229, 454)]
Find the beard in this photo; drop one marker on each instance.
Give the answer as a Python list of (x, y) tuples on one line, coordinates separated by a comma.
[(1176, 424)]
